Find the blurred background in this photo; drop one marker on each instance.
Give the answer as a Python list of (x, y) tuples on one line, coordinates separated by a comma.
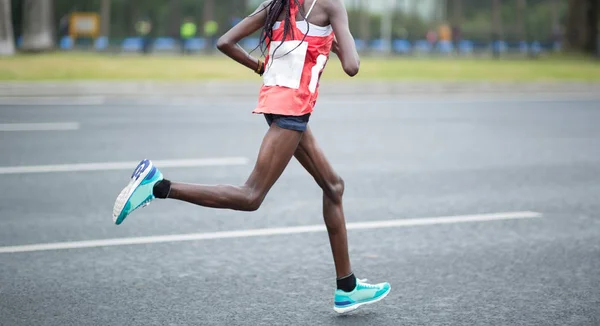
[(402, 27), (469, 141)]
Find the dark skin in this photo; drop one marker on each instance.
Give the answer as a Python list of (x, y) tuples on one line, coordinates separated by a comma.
[(280, 145), (325, 12)]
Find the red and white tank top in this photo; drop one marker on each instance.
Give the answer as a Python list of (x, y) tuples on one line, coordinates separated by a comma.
[(291, 79)]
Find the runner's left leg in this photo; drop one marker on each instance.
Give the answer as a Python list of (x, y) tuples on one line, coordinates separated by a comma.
[(276, 151)]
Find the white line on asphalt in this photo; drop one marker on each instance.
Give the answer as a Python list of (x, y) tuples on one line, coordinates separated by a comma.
[(51, 100), (270, 232), (328, 99), (209, 102), (108, 166), (45, 126)]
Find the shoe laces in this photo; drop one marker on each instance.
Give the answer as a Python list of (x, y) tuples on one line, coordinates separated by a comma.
[(367, 285)]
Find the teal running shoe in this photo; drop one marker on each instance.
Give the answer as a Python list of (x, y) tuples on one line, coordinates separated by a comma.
[(139, 191), (363, 294)]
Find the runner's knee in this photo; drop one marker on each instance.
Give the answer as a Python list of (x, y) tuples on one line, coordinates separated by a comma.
[(335, 190), (251, 201)]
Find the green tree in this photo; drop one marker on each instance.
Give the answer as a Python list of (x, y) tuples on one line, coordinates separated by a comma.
[(497, 19), (521, 22), (457, 12), (582, 25)]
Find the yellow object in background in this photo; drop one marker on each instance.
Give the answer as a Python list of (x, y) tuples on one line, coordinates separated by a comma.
[(188, 30), (445, 33), (84, 24), (143, 28), (211, 28)]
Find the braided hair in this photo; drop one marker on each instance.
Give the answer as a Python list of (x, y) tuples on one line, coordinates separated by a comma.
[(274, 9)]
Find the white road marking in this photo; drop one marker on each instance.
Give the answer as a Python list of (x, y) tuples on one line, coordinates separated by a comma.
[(48, 126), (108, 166), (270, 232), (51, 100), (205, 102)]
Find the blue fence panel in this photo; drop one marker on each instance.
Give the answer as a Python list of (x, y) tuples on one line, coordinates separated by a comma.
[(101, 43), (164, 44), (401, 46), (466, 47), (361, 45), (132, 44), (251, 43), (445, 47), (195, 44), (423, 46), (557, 46), (480, 46), (523, 47), (378, 45), (66, 43), (499, 46), (536, 47)]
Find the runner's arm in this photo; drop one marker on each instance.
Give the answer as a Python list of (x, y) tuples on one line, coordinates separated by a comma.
[(228, 42), (344, 45)]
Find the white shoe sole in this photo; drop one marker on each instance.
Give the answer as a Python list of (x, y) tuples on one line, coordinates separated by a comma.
[(126, 193), (358, 305)]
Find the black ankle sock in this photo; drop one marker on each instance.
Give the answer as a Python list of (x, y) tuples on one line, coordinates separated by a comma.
[(162, 189), (347, 283)]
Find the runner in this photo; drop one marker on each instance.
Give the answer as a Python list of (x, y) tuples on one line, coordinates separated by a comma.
[(298, 35)]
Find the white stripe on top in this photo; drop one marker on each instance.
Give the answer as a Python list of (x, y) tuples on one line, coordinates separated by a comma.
[(310, 10), (314, 30)]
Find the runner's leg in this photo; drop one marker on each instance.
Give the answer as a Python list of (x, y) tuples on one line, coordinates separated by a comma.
[(310, 155), (276, 151)]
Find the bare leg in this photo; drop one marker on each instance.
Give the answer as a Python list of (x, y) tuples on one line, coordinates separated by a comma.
[(276, 151), (310, 155)]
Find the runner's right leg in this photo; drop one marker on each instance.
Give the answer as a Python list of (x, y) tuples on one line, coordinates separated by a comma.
[(347, 298), (310, 155)]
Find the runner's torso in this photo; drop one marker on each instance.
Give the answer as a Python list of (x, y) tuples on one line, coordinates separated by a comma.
[(294, 66)]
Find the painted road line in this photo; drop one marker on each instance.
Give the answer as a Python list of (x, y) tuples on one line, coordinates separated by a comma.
[(51, 100), (46, 126), (109, 166), (270, 232)]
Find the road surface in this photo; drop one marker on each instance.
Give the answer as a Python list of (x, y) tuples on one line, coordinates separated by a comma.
[(426, 173)]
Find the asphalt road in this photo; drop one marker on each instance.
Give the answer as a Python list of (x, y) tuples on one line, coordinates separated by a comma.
[(401, 159)]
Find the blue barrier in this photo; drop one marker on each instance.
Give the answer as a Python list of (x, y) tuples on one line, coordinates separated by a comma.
[(66, 43), (466, 47), (536, 48), (445, 47), (401, 46), (423, 46), (250, 43), (499, 46), (523, 47), (164, 44), (481, 46), (557, 46), (132, 44), (378, 45), (195, 44), (101, 43), (361, 45)]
